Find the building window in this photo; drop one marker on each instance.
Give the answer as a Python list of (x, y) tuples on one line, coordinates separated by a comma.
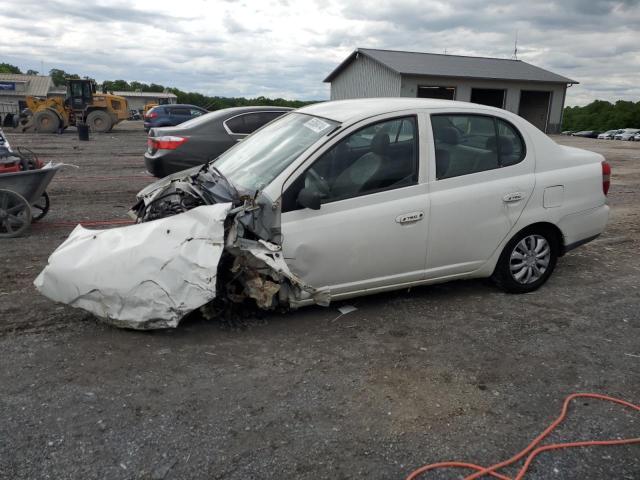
[(442, 93)]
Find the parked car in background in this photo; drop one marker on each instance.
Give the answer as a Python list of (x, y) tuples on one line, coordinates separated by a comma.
[(626, 134), (197, 141), (636, 137), (608, 135), (586, 134), (170, 115), (566, 132)]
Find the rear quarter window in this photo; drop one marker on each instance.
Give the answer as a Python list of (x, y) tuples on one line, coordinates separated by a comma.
[(472, 143)]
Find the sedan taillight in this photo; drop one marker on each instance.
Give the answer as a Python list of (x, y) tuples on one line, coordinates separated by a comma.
[(151, 115), (166, 142), (606, 177)]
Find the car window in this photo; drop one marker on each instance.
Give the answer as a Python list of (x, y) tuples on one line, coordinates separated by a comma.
[(180, 111), (236, 124), (378, 157), (511, 145), (249, 122), (195, 112), (467, 144)]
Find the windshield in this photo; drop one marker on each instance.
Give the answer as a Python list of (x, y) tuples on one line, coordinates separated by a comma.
[(261, 157)]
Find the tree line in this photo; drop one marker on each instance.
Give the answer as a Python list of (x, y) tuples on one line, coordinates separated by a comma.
[(193, 98), (602, 115)]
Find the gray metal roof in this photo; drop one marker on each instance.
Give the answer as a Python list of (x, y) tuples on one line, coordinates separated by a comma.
[(434, 64), (36, 85)]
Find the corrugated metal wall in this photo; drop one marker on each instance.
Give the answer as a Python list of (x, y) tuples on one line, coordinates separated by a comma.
[(365, 78)]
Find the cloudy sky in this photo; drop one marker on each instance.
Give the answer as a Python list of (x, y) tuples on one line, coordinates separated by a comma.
[(287, 47)]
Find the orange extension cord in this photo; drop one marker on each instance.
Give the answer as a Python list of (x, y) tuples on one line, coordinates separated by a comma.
[(533, 450)]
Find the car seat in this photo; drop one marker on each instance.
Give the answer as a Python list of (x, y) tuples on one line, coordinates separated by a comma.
[(354, 178)]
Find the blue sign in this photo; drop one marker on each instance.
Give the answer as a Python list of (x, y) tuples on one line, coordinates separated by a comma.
[(7, 85)]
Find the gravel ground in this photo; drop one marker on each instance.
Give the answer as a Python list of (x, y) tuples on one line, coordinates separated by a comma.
[(454, 371)]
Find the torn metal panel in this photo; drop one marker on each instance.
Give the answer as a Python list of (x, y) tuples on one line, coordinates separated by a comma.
[(264, 258), (143, 276)]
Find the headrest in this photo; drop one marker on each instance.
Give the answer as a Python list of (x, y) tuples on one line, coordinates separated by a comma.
[(380, 143), (448, 135)]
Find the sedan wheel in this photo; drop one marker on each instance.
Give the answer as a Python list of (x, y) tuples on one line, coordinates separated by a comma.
[(530, 259), (527, 261)]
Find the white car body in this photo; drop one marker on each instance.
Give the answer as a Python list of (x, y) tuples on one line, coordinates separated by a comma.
[(356, 246), (431, 223), (626, 134)]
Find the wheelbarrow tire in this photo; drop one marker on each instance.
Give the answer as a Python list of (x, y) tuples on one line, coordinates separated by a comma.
[(15, 214), (46, 121), (40, 208)]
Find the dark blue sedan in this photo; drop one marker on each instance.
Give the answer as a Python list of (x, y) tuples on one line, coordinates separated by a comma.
[(170, 115)]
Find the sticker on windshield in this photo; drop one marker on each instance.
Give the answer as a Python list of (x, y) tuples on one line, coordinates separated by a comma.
[(316, 125)]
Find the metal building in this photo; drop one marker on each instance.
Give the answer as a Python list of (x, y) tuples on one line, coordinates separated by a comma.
[(137, 100), (14, 88), (536, 94)]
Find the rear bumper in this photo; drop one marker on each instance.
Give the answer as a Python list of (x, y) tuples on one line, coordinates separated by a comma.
[(582, 227)]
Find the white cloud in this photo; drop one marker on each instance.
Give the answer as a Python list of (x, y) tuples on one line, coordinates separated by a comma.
[(286, 48)]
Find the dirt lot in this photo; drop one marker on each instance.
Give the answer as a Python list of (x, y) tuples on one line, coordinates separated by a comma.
[(455, 371)]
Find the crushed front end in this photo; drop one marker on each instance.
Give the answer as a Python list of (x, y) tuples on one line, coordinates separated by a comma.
[(197, 241)]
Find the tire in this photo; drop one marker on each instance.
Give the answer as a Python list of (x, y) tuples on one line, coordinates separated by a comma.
[(46, 121), (99, 121), (40, 208), (15, 214), (527, 261)]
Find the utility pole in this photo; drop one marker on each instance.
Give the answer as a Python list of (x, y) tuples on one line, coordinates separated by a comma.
[(515, 48)]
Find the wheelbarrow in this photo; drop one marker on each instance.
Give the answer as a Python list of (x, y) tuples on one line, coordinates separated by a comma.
[(23, 198)]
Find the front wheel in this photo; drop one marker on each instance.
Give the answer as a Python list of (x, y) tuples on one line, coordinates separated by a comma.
[(527, 261), (99, 121), (46, 121)]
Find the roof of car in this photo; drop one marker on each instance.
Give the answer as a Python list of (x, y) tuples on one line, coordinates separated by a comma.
[(356, 109), (187, 105)]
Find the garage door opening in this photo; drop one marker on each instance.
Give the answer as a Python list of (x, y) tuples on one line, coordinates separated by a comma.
[(534, 107), (488, 96), (442, 93)]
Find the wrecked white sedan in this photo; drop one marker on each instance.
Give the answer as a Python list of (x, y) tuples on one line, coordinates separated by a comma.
[(337, 200)]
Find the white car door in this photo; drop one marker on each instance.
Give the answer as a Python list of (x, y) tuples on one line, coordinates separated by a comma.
[(370, 231), (484, 176)]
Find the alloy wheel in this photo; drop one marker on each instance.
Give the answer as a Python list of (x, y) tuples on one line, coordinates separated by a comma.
[(530, 259)]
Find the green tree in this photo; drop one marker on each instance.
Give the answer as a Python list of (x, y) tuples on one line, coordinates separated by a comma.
[(8, 68), (59, 76), (602, 115), (32, 72)]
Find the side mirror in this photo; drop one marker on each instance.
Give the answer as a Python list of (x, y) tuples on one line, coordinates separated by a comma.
[(309, 198)]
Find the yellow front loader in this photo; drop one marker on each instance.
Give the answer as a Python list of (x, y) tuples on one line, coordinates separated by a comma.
[(81, 105)]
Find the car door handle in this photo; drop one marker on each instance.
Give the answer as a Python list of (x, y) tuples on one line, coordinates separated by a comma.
[(410, 217), (513, 197)]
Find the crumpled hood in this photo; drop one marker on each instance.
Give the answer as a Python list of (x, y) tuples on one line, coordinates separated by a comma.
[(142, 276)]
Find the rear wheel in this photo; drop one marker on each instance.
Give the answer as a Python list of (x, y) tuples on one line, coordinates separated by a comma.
[(527, 261), (46, 121), (15, 214), (99, 121)]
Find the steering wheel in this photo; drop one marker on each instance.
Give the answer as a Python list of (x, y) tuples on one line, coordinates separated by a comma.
[(320, 182)]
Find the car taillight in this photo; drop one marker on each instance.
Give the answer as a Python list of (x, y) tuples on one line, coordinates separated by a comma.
[(606, 177), (151, 115), (165, 143)]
